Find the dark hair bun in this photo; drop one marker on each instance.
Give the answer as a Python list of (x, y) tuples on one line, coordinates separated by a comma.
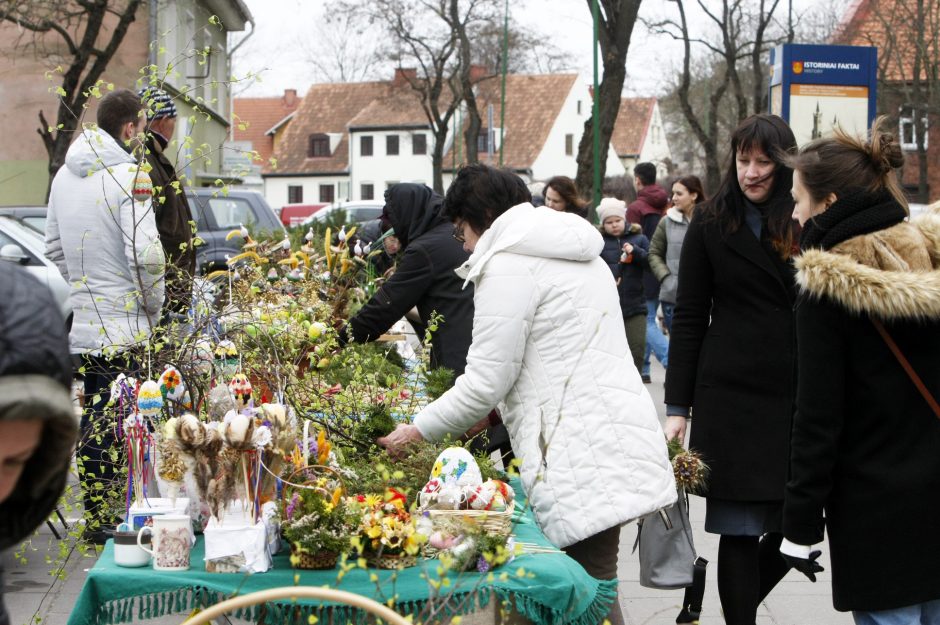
[(886, 152)]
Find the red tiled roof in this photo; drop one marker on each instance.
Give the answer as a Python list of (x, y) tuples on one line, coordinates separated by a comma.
[(258, 115), (632, 125), (889, 25), (399, 107), (327, 108), (533, 102)]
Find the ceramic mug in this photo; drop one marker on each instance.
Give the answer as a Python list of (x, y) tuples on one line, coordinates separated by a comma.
[(171, 541), (126, 550)]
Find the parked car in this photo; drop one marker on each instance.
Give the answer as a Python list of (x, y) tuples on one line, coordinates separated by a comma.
[(24, 246), (353, 212), (295, 214), (30, 216), (218, 213)]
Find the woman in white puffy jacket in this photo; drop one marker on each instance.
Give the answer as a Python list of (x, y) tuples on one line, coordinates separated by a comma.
[(549, 349)]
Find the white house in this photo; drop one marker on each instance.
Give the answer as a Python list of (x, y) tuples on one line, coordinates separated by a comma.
[(640, 135), (350, 141)]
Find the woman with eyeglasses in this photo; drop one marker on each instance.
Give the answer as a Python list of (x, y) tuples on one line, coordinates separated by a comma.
[(549, 348)]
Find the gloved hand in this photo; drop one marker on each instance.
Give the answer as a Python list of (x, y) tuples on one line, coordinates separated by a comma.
[(807, 566)]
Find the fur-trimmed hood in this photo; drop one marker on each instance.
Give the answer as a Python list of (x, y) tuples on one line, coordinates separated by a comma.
[(893, 274)]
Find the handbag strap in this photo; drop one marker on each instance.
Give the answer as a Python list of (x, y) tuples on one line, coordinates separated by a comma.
[(907, 366)]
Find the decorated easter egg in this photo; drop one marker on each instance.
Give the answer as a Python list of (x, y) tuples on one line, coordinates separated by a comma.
[(455, 466), (171, 384), (226, 349), (203, 356), (149, 399), (491, 495), (241, 389)]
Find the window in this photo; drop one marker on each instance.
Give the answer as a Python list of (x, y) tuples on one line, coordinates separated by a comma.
[(229, 213), (365, 145), (569, 145), (326, 193), (391, 145), (908, 131), (419, 144), (295, 194), (483, 140), (318, 146), (579, 107), (367, 191)]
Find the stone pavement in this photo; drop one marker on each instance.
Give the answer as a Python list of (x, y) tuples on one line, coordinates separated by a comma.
[(29, 590)]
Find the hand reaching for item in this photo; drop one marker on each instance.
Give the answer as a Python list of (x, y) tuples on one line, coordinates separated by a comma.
[(400, 438)]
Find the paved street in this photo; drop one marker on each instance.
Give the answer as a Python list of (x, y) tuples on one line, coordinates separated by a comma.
[(29, 589)]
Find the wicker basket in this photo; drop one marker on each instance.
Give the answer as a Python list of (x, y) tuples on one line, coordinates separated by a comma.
[(492, 522), (391, 561), (313, 561)]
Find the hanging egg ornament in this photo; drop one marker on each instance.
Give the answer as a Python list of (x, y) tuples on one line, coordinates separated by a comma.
[(243, 230), (341, 237), (358, 249), (171, 384), (241, 389), (285, 244), (226, 349), (149, 399), (309, 236)]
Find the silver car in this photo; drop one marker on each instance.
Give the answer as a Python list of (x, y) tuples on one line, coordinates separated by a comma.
[(26, 247)]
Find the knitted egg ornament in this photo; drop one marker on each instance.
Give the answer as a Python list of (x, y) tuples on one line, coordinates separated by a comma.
[(171, 384), (143, 187), (149, 399), (241, 389)]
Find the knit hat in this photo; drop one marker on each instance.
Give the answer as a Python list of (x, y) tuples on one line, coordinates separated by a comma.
[(159, 103), (611, 207)]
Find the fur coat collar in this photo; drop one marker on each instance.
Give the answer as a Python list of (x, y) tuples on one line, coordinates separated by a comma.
[(893, 274)]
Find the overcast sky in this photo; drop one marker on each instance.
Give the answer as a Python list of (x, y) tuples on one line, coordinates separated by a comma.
[(273, 51)]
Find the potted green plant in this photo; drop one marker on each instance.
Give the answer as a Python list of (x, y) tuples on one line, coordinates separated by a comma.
[(318, 525)]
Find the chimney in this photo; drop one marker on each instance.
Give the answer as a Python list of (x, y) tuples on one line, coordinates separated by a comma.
[(290, 97), (404, 76), (478, 72)]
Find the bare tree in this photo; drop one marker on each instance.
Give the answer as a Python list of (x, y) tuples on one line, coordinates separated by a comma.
[(735, 68), (342, 48), (908, 37), (81, 37), (616, 19)]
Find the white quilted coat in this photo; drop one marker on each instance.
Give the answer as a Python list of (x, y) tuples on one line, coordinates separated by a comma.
[(549, 347), (105, 244)]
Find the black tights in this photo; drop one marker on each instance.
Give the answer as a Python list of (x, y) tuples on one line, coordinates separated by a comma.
[(748, 569)]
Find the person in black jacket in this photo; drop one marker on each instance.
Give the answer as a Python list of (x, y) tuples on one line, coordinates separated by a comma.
[(732, 359), (625, 252), (424, 278), (865, 448), (38, 425)]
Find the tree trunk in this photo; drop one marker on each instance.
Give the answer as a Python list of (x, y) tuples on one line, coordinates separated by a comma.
[(614, 30), (437, 158)]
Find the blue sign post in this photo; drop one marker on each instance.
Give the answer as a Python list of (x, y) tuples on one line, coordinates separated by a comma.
[(817, 87)]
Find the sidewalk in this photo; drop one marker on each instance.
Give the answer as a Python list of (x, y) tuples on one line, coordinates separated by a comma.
[(28, 589), (796, 601)]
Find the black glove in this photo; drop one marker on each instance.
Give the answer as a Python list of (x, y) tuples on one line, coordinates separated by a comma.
[(807, 566)]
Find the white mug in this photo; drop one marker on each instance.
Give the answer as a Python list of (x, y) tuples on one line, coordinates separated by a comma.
[(171, 541), (126, 551)]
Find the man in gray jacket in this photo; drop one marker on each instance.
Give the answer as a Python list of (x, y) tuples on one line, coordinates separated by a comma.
[(101, 234)]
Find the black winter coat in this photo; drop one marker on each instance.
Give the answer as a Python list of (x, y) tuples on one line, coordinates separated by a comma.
[(866, 445), (731, 358), (174, 223), (424, 278), (629, 275)]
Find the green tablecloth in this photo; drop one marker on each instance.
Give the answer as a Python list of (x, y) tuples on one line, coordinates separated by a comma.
[(546, 588)]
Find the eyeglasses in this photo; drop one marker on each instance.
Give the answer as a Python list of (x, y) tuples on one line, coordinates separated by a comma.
[(458, 233)]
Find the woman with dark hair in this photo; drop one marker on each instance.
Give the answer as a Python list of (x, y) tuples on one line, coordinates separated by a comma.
[(561, 195), (666, 245), (731, 359), (864, 449), (549, 347)]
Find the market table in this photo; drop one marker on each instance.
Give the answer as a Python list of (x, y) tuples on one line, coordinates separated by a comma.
[(546, 588)]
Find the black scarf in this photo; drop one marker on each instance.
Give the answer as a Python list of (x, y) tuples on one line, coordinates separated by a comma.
[(856, 213)]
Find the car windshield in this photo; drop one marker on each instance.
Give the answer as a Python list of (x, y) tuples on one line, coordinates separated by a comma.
[(229, 212)]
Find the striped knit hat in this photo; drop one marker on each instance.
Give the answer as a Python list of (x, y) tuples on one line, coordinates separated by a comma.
[(159, 103)]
